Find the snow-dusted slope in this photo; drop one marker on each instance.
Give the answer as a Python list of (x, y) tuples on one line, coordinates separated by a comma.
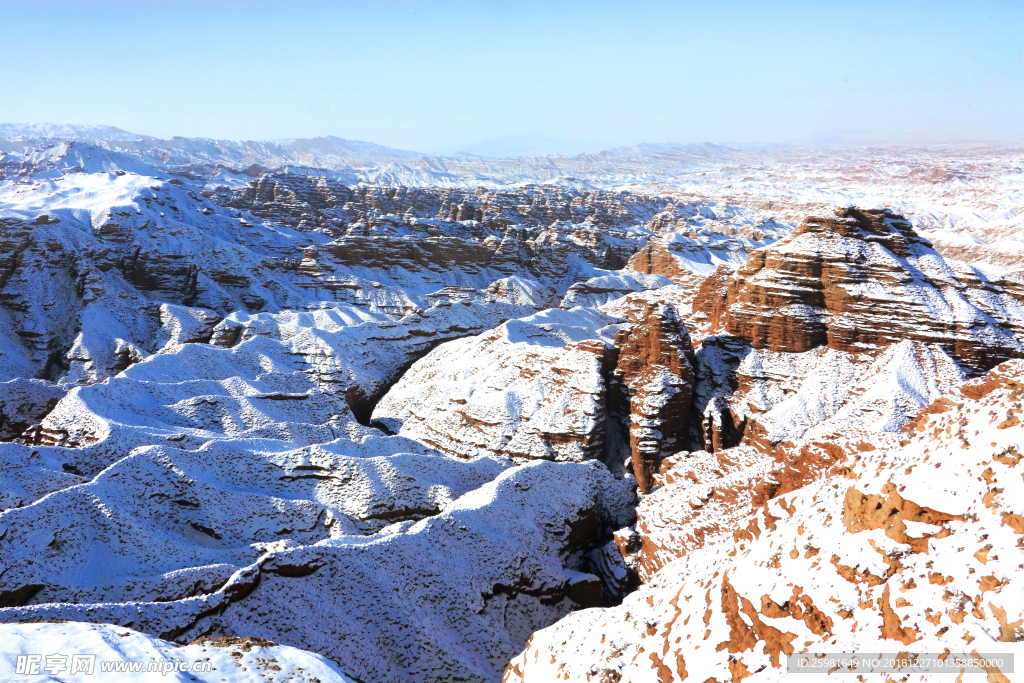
[(532, 388), (76, 651), (194, 344), (906, 546), (450, 597)]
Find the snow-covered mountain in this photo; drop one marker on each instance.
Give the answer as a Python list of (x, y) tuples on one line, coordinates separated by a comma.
[(322, 410), (967, 200)]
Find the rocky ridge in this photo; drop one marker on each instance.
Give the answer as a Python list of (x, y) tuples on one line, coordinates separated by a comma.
[(881, 552), (863, 280), (107, 245), (221, 458), (566, 385), (849, 287)]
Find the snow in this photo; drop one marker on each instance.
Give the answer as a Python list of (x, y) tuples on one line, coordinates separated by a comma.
[(113, 644), (951, 592), (835, 391), (526, 389), (204, 470)]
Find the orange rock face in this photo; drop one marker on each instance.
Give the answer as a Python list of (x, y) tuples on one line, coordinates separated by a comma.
[(655, 366), (655, 259), (861, 281), (886, 548)]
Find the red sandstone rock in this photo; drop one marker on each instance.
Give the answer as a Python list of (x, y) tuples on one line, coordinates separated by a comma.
[(656, 368), (860, 281)]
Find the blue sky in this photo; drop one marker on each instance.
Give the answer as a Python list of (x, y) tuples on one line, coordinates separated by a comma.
[(437, 77)]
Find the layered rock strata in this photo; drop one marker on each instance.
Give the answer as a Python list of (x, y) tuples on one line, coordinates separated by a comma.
[(655, 367), (861, 280), (111, 251), (783, 341)]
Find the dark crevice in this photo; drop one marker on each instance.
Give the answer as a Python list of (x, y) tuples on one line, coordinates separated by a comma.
[(617, 454), (712, 427), (362, 405), (376, 424), (20, 597)]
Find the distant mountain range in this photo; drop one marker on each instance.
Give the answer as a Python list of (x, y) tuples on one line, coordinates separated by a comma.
[(501, 162)]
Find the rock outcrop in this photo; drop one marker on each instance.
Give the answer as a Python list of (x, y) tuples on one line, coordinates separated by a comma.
[(532, 388), (887, 551), (556, 385), (655, 368), (690, 256), (795, 340), (24, 403), (860, 281)]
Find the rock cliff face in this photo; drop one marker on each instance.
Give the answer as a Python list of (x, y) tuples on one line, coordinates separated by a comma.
[(885, 551), (536, 230), (687, 260), (860, 281), (24, 403), (312, 202), (784, 341), (557, 385), (655, 368), (792, 410)]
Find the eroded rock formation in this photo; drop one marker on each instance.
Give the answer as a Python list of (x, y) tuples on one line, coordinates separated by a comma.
[(655, 367), (543, 387), (888, 550), (860, 281), (197, 457)]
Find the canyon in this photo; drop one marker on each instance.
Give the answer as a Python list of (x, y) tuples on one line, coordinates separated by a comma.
[(665, 414)]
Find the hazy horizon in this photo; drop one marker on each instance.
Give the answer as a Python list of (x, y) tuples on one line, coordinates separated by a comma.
[(490, 79)]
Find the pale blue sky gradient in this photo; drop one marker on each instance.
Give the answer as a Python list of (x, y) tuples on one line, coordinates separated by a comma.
[(442, 76)]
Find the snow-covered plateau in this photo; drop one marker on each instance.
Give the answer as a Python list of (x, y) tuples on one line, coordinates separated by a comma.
[(322, 410)]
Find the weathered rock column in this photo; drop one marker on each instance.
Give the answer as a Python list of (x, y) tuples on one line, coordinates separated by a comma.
[(656, 368)]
